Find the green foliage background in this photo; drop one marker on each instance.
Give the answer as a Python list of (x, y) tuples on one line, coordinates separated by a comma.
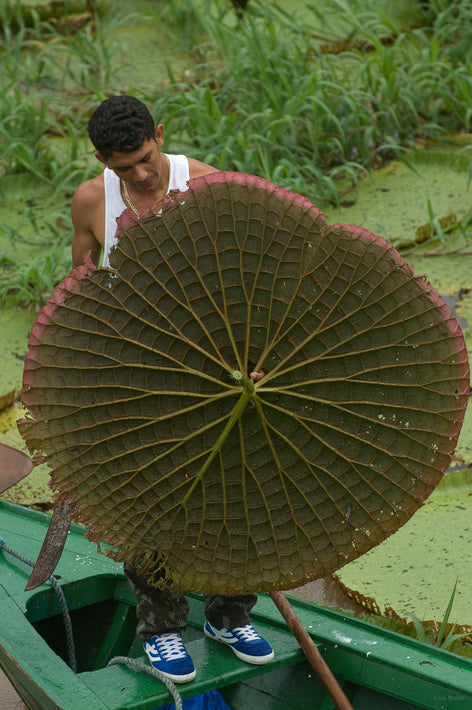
[(312, 99)]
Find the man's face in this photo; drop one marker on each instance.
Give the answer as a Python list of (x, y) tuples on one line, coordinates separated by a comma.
[(141, 169)]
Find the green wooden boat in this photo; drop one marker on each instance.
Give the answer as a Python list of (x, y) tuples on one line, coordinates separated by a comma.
[(376, 668)]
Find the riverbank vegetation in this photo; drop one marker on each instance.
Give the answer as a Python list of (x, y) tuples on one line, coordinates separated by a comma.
[(311, 100)]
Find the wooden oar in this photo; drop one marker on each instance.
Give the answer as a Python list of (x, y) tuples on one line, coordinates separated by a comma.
[(52, 546), (14, 466), (311, 651)]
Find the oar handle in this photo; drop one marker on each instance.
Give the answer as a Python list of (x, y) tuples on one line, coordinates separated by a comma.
[(311, 651)]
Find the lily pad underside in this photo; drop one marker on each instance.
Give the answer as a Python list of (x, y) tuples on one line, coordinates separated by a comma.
[(140, 397)]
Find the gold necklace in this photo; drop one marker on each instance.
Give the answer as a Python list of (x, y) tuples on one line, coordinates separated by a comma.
[(158, 198)]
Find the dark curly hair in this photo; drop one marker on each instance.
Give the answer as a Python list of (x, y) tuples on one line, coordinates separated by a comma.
[(120, 124)]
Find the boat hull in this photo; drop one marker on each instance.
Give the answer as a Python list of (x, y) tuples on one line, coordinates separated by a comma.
[(376, 668)]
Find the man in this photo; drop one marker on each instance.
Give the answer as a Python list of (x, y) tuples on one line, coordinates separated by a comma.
[(138, 174)]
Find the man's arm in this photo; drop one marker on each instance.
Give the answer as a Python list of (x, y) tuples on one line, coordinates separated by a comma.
[(87, 212)]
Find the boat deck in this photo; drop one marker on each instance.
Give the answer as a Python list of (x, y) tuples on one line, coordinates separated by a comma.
[(376, 668)]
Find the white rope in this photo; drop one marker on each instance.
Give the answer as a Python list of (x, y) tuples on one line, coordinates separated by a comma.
[(139, 666)]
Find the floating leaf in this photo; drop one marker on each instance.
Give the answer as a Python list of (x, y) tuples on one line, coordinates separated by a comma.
[(140, 396), (14, 327), (414, 571)]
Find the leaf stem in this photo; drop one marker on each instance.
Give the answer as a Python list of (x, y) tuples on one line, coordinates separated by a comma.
[(246, 394)]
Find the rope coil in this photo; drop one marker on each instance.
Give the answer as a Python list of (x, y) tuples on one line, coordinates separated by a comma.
[(139, 667)]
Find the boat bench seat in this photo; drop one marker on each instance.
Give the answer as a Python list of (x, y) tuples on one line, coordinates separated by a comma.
[(217, 666)]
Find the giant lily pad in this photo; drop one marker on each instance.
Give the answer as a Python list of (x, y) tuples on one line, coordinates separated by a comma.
[(414, 571), (394, 202), (14, 327), (140, 395)]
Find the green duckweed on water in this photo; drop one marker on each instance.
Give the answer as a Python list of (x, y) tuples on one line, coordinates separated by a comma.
[(15, 326), (414, 571)]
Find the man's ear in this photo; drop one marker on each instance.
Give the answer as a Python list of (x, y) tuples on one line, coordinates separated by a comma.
[(101, 158), (159, 135)]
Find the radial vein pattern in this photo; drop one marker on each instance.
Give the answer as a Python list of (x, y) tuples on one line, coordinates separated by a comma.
[(138, 388)]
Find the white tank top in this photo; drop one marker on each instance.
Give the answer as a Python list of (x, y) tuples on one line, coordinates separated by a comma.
[(114, 205)]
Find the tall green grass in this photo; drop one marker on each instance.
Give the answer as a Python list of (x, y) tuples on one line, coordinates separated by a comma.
[(310, 104), (37, 259), (267, 97)]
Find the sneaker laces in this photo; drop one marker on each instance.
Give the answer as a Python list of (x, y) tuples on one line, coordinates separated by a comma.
[(248, 633), (171, 647)]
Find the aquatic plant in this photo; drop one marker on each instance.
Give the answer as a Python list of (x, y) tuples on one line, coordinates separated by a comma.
[(445, 636), (259, 395), (441, 634), (88, 58), (38, 257), (311, 110), (270, 98)]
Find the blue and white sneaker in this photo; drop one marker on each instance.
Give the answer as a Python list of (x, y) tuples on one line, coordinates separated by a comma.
[(244, 641), (168, 654)]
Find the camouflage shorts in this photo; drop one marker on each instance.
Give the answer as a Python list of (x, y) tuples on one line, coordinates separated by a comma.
[(164, 610)]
